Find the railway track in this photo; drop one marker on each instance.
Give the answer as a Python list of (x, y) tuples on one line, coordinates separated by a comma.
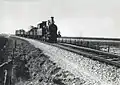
[(98, 55), (91, 39), (111, 45)]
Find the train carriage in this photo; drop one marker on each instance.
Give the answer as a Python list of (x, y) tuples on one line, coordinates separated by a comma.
[(20, 32), (17, 32), (39, 33)]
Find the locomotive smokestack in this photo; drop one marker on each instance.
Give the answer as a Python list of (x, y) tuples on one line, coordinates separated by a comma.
[(52, 19)]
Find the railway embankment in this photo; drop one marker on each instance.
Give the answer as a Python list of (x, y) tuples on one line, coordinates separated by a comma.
[(37, 63), (90, 71), (31, 66)]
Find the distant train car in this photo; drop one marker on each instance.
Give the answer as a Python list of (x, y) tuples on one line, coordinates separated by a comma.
[(32, 33), (39, 33), (35, 32), (17, 32), (39, 30), (20, 32), (27, 34)]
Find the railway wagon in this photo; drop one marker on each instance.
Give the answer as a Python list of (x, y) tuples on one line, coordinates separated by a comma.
[(39, 34), (42, 30), (39, 31), (20, 32), (32, 33)]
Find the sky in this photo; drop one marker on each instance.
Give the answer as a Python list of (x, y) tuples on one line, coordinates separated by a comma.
[(74, 18)]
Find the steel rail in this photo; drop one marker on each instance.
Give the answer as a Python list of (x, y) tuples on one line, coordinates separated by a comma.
[(93, 38), (93, 54), (104, 57)]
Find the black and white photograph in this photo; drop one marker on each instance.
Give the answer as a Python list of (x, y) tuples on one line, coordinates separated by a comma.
[(59, 42)]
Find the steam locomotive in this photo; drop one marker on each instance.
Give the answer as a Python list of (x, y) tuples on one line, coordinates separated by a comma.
[(45, 31)]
